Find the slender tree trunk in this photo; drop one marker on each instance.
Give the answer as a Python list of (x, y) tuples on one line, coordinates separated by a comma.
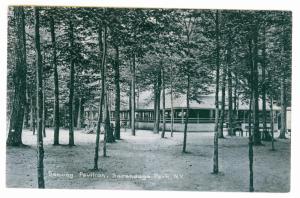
[(221, 134), (39, 100), (164, 104), (79, 113), (19, 99), (56, 87), (172, 108), (26, 110), (230, 114), (102, 51), (187, 114), (283, 108), (272, 122), (65, 116), (251, 108), (110, 138), (32, 114), (266, 134), (236, 98), (109, 102), (44, 111), (157, 107), (137, 98), (256, 132), (133, 96), (106, 124), (130, 104), (71, 94), (109, 135), (216, 153), (117, 94), (251, 187)]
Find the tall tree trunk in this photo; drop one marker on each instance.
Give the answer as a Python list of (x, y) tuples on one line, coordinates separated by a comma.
[(221, 134), (56, 87), (250, 153), (256, 132), (236, 99), (117, 94), (79, 113), (216, 153), (164, 104), (283, 108), (137, 98), (26, 110), (44, 110), (106, 124), (230, 114), (65, 116), (39, 100), (102, 51), (251, 109), (71, 94), (32, 116), (130, 104), (187, 114), (172, 108), (19, 100), (133, 96), (266, 134), (272, 122), (157, 107), (109, 135)]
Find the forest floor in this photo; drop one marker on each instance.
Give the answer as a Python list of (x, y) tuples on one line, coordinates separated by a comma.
[(146, 161)]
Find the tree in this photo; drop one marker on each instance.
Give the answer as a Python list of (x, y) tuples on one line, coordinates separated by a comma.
[(164, 104), (133, 94), (39, 100), (266, 134), (272, 122), (250, 152), (257, 135), (157, 94), (71, 86), (216, 134), (106, 124), (250, 119), (285, 67), (172, 106), (229, 74), (103, 50), (188, 32), (223, 90), (188, 23), (19, 101), (117, 93)]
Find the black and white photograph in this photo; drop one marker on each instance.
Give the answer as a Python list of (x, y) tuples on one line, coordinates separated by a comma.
[(152, 99)]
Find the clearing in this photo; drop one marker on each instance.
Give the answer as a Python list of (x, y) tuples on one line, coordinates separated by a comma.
[(146, 161)]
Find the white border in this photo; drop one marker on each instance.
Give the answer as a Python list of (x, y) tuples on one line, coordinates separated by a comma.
[(204, 4)]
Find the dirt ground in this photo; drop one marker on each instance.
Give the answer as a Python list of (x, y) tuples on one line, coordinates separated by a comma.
[(148, 162)]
